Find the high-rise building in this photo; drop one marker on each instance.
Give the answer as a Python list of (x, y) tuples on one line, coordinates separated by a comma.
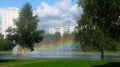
[(62, 29), (8, 17), (0, 20)]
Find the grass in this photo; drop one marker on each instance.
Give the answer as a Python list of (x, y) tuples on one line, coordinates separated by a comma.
[(58, 63), (6, 52)]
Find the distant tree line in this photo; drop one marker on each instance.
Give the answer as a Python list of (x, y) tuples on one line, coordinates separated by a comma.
[(50, 38)]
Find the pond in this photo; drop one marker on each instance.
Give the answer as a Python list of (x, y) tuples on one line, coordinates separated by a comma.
[(67, 52)]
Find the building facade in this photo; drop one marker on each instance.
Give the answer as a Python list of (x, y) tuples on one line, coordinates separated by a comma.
[(62, 29), (0, 20), (8, 17)]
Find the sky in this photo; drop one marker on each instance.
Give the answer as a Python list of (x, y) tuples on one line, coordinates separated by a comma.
[(34, 3), (51, 13)]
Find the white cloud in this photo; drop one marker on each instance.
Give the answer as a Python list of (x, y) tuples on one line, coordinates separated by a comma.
[(46, 10), (61, 13)]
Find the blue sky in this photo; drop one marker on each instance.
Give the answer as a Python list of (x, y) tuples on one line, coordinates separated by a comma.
[(34, 3)]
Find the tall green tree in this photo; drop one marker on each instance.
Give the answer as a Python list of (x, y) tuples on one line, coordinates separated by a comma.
[(26, 33), (99, 26)]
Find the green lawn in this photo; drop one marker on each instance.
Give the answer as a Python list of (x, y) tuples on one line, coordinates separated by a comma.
[(58, 63)]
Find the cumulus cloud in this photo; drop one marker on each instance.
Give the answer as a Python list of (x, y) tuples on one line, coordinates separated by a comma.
[(60, 14)]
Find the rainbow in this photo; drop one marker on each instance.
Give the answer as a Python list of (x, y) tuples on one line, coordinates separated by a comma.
[(56, 45)]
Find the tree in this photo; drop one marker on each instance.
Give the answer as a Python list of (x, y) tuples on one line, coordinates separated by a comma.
[(56, 36), (50, 38), (67, 35), (105, 14), (26, 33), (10, 38), (2, 42), (99, 27)]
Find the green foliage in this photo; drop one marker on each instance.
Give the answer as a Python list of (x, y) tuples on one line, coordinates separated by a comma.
[(10, 38), (67, 35), (50, 38), (90, 38), (105, 14), (99, 26), (26, 33), (2, 42)]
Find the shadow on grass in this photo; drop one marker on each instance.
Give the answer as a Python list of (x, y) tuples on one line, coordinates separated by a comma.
[(110, 64), (7, 61)]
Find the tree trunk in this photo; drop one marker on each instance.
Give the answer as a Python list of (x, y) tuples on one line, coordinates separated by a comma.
[(102, 54), (31, 49)]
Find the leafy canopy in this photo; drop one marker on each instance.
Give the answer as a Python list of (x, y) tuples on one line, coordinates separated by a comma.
[(99, 26), (26, 33)]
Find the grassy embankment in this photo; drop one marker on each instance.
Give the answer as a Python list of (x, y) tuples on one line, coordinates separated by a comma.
[(59, 63)]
